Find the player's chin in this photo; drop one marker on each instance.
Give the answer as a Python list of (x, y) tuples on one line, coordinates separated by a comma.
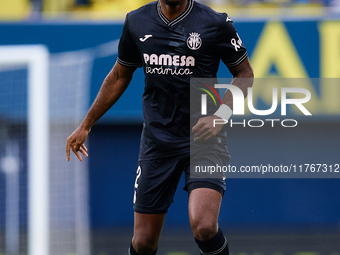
[(172, 2)]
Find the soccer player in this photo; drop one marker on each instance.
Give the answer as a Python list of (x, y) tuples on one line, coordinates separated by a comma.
[(173, 40)]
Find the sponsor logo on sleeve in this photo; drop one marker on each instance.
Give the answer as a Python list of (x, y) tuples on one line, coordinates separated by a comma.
[(237, 44)]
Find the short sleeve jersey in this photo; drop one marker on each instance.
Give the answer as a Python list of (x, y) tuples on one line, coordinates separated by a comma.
[(172, 52)]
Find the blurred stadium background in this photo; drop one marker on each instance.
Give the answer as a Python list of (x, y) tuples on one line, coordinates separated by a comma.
[(89, 204)]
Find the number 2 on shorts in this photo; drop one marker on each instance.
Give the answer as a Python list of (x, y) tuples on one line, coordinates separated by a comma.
[(138, 173)]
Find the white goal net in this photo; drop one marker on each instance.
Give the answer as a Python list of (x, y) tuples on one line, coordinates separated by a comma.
[(43, 199)]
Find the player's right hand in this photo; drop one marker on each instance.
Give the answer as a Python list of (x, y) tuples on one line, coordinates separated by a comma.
[(76, 142), (204, 128)]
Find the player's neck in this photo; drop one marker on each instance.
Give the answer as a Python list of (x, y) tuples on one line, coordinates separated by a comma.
[(172, 11)]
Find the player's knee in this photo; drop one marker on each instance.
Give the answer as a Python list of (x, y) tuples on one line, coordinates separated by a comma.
[(205, 231), (144, 244)]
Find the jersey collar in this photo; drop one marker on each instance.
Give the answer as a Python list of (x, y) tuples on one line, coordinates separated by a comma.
[(179, 18)]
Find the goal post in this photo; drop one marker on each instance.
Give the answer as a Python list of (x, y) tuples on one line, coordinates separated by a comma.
[(36, 58), (44, 207)]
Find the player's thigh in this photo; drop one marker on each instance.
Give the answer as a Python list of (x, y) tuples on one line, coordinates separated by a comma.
[(205, 183), (204, 207), (147, 229)]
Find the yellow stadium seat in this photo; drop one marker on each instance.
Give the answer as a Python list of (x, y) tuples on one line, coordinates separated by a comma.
[(14, 9)]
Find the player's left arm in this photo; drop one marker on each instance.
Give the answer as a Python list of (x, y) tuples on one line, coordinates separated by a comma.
[(243, 77), (234, 55)]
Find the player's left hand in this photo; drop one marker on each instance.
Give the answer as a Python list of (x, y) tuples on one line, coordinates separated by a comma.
[(204, 128)]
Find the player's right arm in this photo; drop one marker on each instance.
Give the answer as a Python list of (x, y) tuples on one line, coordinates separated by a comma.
[(112, 88)]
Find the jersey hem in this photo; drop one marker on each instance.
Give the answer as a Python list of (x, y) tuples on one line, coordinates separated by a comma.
[(167, 155)]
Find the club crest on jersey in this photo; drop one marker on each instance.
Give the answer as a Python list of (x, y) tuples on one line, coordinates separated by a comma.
[(194, 41)]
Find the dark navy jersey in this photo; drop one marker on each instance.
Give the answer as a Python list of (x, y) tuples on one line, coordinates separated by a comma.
[(172, 52)]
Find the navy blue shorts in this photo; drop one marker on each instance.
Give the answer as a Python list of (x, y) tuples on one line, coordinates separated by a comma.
[(157, 179)]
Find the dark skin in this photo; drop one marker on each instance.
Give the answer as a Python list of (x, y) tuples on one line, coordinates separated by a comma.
[(173, 8), (112, 88), (204, 204)]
